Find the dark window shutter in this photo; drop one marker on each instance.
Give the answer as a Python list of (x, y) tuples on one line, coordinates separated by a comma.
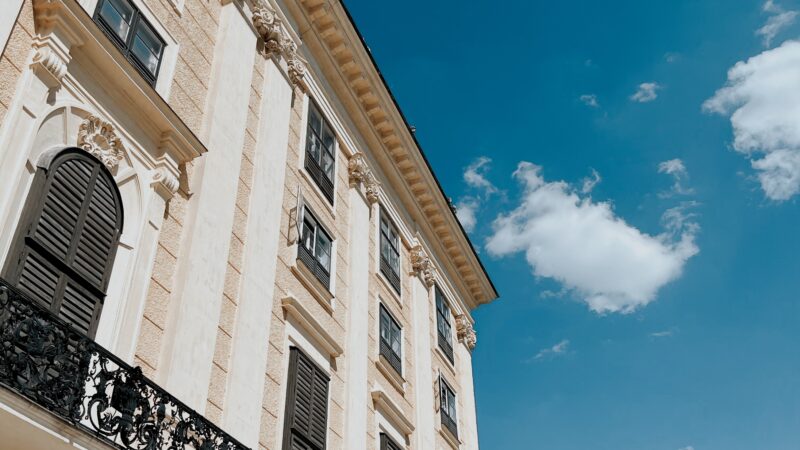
[(388, 444), (67, 238), (306, 404)]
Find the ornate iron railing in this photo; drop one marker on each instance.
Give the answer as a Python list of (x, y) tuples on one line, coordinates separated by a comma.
[(47, 361)]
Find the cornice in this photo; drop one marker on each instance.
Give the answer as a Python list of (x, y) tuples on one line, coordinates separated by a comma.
[(400, 156)]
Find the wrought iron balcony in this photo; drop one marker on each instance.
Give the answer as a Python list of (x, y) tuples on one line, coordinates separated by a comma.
[(48, 362)]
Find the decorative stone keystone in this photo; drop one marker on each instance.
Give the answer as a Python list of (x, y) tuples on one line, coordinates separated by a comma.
[(98, 138), (465, 332)]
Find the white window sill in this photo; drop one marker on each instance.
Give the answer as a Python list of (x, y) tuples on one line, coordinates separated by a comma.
[(392, 292), (445, 361)]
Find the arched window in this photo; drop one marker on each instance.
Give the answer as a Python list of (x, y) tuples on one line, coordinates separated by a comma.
[(67, 237)]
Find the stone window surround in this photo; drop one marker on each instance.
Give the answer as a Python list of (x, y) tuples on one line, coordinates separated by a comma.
[(171, 48), (397, 380), (326, 296)]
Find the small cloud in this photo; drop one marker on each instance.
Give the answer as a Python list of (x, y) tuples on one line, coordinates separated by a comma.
[(671, 57), (466, 209), (590, 100), (474, 175), (779, 20), (687, 448), (663, 333), (646, 92), (677, 170), (555, 350), (590, 183)]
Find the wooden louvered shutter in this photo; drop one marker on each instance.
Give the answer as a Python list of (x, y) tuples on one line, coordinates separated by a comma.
[(306, 404), (67, 238)]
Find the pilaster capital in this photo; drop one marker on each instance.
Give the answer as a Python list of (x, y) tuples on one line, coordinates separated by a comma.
[(465, 332), (99, 138), (422, 265), (278, 42), (360, 173)]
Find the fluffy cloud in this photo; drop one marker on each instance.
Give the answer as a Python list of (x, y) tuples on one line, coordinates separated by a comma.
[(466, 209), (590, 100), (763, 101), (610, 265), (557, 349), (677, 170), (646, 92), (777, 22)]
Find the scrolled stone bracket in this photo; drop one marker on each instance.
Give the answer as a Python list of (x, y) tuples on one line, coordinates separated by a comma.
[(465, 332), (278, 43), (99, 138), (422, 265), (360, 174)]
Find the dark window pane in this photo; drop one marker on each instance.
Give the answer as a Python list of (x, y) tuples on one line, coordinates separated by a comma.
[(147, 47), (118, 15)]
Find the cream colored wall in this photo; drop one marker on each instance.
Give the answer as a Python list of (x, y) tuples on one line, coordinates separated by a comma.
[(188, 97)]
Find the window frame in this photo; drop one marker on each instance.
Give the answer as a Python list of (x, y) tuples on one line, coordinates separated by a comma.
[(444, 313), (385, 348), (126, 47), (450, 423), (387, 443), (321, 273), (314, 168), (385, 265)]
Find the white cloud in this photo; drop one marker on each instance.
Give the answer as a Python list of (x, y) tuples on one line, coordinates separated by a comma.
[(646, 92), (590, 183), (475, 177), (468, 206), (671, 57), (557, 349), (779, 20), (610, 265), (677, 170), (466, 209), (763, 101), (590, 100), (687, 448), (660, 334)]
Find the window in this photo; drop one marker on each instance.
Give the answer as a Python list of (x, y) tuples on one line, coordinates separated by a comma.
[(132, 34), (443, 326), (390, 251), (306, 421), (315, 248), (448, 407), (320, 151), (388, 444), (67, 238), (391, 339)]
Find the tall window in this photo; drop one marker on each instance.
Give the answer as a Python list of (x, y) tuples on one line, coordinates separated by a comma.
[(67, 238), (388, 443), (391, 340), (390, 251), (315, 248), (306, 421), (443, 326), (132, 34), (320, 151), (448, 406)]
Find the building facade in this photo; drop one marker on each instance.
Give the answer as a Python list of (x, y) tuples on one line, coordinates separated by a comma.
[(217, 231)]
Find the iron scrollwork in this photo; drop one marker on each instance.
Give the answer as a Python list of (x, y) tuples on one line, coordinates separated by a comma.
[(47, 361)]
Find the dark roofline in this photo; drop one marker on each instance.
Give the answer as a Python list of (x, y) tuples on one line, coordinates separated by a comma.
[(416, 142)]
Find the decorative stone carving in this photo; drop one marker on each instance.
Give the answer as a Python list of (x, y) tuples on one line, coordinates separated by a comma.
[(278, 43), (50, 66), (422, 265), (98, 138), (465, 332), (360, 173), (164, 182)]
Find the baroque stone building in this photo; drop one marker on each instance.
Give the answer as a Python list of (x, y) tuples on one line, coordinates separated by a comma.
[(217, 231)]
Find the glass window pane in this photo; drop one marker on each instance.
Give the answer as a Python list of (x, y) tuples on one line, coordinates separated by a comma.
[(327, 165), (117, 14), (143, 54), (313, 146), (327, 139), (308, 235), (323, 251), (314, 119)]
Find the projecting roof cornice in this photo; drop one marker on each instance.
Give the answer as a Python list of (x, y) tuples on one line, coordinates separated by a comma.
[(331, 36)]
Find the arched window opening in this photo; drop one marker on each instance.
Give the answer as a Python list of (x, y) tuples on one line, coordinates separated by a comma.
[(67, 238)]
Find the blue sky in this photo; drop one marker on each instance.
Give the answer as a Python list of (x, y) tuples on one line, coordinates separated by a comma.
[(645, 244)]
